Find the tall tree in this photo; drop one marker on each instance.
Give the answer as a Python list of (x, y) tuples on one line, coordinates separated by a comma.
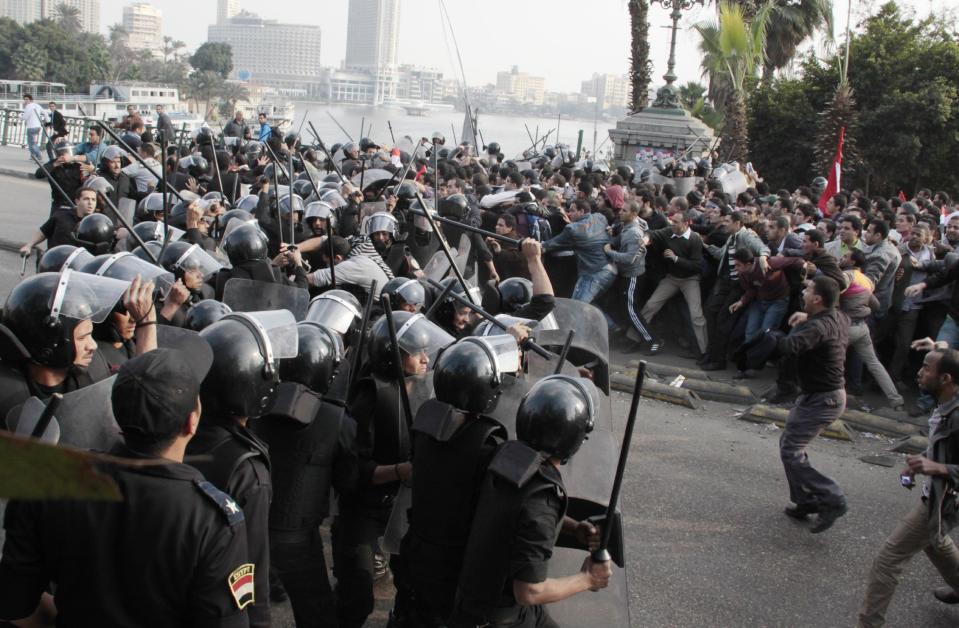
[(736, 51), (68, 17), (790, 24), (640, 68), (232, 93), (213, 57), (30, 62)]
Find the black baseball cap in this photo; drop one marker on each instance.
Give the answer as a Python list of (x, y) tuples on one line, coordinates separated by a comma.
[(155, 392)]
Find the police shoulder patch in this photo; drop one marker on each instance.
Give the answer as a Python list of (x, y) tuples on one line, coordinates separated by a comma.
[(241, 585), (230, 509)]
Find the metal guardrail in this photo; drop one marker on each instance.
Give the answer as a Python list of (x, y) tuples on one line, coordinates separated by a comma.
[(13, 130)]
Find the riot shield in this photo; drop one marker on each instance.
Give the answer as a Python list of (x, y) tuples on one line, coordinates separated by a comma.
[(462, 254), (685, 185), (437, 267), (127, 207), (170, 337), (84, 419), (590, 346), (248, 295), (372, 177)]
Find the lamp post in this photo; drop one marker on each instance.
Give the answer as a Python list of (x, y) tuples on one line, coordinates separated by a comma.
[(667, 97)]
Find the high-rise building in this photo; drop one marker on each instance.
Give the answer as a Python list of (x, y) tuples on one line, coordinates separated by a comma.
[(225, 9), (372, 37), (89, 12), (143, 23), (21, 11), (609, 90), (521, 87), (283, 56)]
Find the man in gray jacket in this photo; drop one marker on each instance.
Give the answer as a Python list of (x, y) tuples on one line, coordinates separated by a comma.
[(882, 262), (727, 290), (629, 254), (927, 525)]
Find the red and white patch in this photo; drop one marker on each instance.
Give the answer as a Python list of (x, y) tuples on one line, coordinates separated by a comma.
[(241, 585)]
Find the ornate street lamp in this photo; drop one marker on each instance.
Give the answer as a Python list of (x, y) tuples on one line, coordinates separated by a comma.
[(667, 97)]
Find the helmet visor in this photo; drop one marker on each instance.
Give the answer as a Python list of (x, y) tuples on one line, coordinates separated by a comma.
[(334, 198), (379, 222), (126, 266), (333, 311), (277, 331), (412, 292), (196, 259), (420, 335), (502, 350), (236, 223), (83, 296)]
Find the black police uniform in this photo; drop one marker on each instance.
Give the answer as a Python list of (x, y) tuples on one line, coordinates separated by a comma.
[(382, 438), (68, 176), (259, 270), (312, 444), (240, 466), (116, 356), (60, 227), (16, 386), (452, 452), (523, 495), (170, 554)]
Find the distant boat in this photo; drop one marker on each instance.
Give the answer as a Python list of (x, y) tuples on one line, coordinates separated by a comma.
[(416, 110)]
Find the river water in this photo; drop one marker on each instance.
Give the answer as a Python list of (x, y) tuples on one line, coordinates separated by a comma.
[(509, 131)]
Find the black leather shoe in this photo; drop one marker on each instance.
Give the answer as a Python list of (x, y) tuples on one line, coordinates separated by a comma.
[(827, 517), (946, 595), (801, 511)]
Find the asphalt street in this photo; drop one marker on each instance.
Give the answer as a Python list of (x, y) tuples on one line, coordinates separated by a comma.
[(707, 543)]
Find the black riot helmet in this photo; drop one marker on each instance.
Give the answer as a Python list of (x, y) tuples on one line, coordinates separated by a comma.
[(514, 293), (244, 244), (405, 191), (493, 148), (64, 256), (626, 172), (556, 415), (99, 185), (443, 314), (203, 136), (366, 144), (468, 374), (303, 188), (406, 292), (291, 139), (415, 335), (246, 203), (284, 203), (182, 257), (95, 233), (148, 230), (154, 246), (241, 213), (454, 206), (195, 165), (253, 150), (317, 358), (204, 313), (43, 310), (246, 349)]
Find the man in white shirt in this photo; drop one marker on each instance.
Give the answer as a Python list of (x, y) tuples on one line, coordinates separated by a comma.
[(33, 118)]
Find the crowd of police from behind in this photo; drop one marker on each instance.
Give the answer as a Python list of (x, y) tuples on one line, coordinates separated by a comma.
[(276, 427)]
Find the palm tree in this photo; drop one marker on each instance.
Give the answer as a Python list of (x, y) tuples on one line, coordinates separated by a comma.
[(790, 24), (692, 96), (69, 18), (734, 50), (640, 70), (201, 87), (232, 93)]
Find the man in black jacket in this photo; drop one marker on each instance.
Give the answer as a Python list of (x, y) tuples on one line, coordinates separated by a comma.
[(927, 525)]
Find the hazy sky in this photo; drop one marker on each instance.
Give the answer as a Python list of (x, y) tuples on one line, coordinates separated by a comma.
[(565, 41)]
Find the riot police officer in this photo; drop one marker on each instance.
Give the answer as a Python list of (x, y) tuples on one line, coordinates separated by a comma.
[(246, 248), (312, 444), (453, 442), (46, 341), (383, 447), (172, 553), (238, 387), (405, 294), (192, 267), (504, 582)]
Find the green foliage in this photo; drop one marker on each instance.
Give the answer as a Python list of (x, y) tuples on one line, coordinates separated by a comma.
[(30, 62), (640, 68), (68, 17), (213, 57), (790, 24), (904, 74), (692, 96)]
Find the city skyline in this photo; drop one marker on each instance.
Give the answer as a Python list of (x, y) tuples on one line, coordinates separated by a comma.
[(558, 40)]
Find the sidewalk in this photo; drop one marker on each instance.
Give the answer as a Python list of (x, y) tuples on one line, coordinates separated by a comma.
[(16, 162)]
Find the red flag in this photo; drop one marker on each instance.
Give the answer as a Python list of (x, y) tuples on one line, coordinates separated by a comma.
[(902, 196), (835, 176)]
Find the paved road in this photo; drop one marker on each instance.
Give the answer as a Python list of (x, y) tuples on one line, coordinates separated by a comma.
[(708, 544)]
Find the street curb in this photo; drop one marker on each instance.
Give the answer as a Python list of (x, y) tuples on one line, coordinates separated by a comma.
[(663, 370), (11, 172), (704, 388), (656, 390), (911, 445), (10, 245), (761, 413), (865, 422)]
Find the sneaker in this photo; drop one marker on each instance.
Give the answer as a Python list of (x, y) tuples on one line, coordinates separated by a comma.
[(655, 347), (946, 595), (801, 511)]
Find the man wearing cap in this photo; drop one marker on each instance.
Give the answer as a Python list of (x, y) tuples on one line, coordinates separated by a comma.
[(172, 553)]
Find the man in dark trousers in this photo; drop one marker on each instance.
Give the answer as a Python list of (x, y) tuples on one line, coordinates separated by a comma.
[(172, 553), (818, 338), (927, 525)]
